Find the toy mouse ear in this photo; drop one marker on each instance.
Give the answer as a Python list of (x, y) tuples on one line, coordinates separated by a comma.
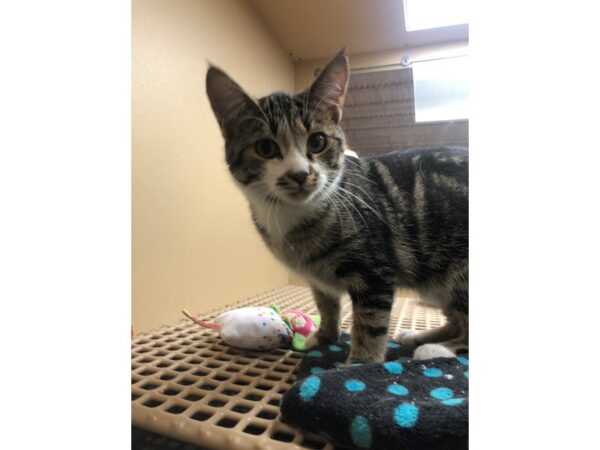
[(316, 318)]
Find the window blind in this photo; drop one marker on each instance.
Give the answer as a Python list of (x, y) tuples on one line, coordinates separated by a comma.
[(379, 115)]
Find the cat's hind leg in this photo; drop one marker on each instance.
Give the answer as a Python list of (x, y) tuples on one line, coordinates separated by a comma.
[(414, 337), (447, 340)]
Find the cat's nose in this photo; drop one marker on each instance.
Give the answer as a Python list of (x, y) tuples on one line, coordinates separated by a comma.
[(298, 177)]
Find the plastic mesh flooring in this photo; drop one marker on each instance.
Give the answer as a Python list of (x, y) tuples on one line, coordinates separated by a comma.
[(188, 385)]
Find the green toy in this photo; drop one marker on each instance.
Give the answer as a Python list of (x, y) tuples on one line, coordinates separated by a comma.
[(304, 327)]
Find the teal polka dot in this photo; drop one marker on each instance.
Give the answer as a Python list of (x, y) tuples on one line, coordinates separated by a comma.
[(406, 415), (393, 367), (463, 360), (432, 372), (335, 348), (453, 401), (360, 431), (354, 385), (393, 345), (397, 389), (442, 393), (348, 342), (337, 364), (309, 387), (466, 374), (315, 353), (316, 370)]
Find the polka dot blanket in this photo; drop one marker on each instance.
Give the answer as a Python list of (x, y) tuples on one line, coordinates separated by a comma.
[(399, 404)]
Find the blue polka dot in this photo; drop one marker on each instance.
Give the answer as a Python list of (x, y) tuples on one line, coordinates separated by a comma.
[(348, 342), (393, 345), (453, 401), (335, 348), (463, 360), (397, 389), (316, 370), (354, 385), (315, 353), (393, 367), (432, 372), (442, 393), (466, 374), (406, 415), (309, 387), (360, 431)]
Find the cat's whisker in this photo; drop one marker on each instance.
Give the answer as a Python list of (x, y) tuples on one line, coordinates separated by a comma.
[(255, 118), (366, 204), (280, 232), (323, 98), (361, 189), (343, 203), (271, 118), (358, 175), (349, 202), (267, 120)]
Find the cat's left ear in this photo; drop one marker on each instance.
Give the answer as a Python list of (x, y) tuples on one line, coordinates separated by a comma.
[(329, 89)]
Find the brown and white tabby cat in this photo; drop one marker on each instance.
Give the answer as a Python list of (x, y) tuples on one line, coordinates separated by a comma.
[(362, 226)]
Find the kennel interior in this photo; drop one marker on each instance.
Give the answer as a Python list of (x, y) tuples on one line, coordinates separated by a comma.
[(194, 245)]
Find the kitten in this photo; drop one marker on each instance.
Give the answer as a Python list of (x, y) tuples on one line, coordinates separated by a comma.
[(362, 226)]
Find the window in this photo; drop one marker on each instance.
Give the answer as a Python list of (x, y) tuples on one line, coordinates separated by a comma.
[(441, 89), (425, 14)]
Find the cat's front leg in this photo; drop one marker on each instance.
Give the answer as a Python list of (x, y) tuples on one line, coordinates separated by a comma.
[(370, 321), (329, 309)]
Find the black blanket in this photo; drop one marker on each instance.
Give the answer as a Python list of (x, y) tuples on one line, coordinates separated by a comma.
[(400, 404)]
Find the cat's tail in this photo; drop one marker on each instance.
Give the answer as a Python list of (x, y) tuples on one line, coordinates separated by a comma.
[(200, 321)]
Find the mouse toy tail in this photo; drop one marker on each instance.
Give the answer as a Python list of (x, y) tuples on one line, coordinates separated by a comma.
[(200, 321)]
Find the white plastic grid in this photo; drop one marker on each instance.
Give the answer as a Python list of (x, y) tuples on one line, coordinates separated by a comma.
[(188, 385)]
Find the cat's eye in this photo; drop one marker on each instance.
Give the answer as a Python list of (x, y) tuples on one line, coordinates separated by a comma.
[(267, 148), (316, 142)]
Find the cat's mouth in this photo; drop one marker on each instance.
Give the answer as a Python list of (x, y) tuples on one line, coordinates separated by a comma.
[(301, 194)]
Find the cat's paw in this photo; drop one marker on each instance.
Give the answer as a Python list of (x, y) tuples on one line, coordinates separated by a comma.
[(406, 337), (327, 338), (430, 351)]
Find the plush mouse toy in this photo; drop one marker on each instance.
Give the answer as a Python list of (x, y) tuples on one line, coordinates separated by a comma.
[(262, 328)]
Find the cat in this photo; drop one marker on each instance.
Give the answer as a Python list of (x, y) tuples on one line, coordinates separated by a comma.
[(362, 226)]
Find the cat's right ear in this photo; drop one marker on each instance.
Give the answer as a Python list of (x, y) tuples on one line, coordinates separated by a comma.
[(225, 95)]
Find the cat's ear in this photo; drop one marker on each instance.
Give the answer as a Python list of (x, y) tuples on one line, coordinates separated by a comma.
[(225, 95), (329, 89)]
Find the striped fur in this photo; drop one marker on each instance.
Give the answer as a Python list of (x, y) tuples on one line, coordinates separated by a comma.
[(363, 226)]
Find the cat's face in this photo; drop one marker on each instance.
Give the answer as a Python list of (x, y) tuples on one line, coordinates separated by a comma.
[(288, 148)]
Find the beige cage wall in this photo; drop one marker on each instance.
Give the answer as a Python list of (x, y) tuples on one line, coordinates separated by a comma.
[(194, 245)]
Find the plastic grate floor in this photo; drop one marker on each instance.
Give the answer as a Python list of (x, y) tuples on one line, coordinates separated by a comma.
[(187, 385)]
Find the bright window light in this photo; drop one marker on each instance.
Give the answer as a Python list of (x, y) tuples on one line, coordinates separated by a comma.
[(425, 14), (441, 89)]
